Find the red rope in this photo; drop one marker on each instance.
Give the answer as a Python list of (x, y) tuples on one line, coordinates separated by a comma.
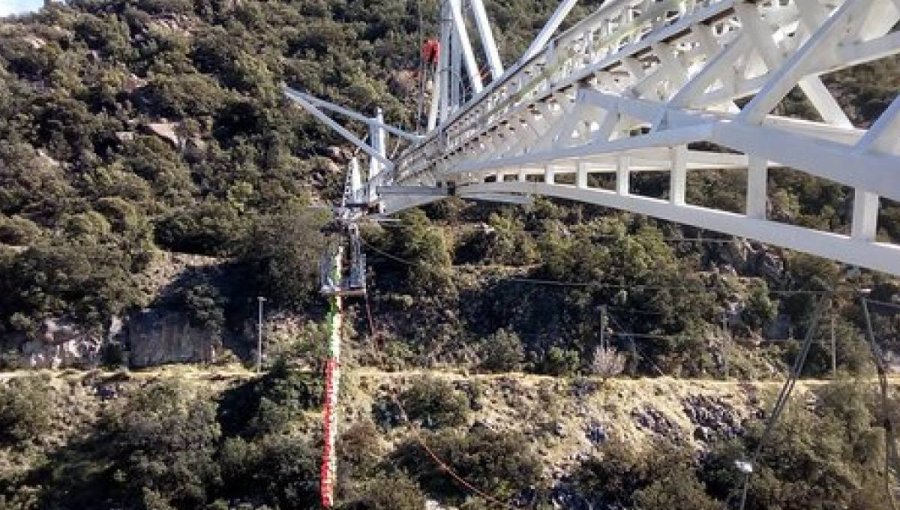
[(443, 465)]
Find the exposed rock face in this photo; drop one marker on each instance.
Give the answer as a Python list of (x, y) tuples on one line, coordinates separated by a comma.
[(649, 418), (157, 337), (748, 258), (62, 344), (712, 416)]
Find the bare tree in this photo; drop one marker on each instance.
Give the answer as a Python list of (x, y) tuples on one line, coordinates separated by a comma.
[(607, 362)]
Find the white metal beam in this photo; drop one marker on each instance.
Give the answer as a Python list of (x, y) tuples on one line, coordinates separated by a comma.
[(884, 135), (796, 67), (539, 42), (873, 255), (462, 35), (443, 74), (341, 130), (568, 111), (487, 39), (326, 105)]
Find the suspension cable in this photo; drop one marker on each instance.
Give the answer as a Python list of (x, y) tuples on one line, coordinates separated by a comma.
[(619, 286), (891, 458), (783, 396)]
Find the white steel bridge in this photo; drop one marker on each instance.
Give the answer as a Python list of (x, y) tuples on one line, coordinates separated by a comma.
[(649, 85)]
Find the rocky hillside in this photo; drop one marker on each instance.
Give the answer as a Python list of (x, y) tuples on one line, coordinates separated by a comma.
[(190, 438)]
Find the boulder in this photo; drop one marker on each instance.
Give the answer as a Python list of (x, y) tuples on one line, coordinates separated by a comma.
[(769, 265), (596, 433), (712, 416), (653, 420)]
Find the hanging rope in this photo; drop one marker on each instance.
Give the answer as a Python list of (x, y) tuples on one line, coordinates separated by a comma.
[(891, 458), (443, 465)]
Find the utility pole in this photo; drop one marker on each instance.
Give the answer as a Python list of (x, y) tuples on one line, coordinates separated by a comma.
[(259, 334), (603, 327), (725, 343), (833, 350)]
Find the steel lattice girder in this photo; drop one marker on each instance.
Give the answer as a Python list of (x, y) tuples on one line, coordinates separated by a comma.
[(637, 84)]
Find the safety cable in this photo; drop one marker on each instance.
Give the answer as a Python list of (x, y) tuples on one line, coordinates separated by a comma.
[(891, 457), (782, 399)]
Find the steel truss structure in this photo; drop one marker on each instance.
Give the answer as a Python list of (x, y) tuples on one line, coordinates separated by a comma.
[(654, 85)]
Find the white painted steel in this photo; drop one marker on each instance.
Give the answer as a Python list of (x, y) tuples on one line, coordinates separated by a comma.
[(487, 38), (550, 28), (462, 35), (676, 86), (879, 256)]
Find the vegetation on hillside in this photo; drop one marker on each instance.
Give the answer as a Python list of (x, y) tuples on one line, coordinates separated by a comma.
[(133, 128), (172, 444), (127, 128)]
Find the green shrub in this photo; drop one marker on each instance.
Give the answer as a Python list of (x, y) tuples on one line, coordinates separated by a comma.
[(270, 404), (277, 470), (283, 252), (435, 403), (389, 492), (24, 410), (679, 490), (826, 458), (660, 476), (359, 450), (559, 361), (500, 463), (18, 231), (502, 352), (167, 439), (204, 304)]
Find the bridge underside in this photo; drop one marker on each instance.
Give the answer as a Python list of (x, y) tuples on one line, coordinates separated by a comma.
[(674, 86)]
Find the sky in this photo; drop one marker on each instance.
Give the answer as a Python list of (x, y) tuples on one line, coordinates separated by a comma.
[(8, 7)]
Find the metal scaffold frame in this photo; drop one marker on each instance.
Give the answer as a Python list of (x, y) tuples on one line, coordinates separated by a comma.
[(666, 86), (674, 86)]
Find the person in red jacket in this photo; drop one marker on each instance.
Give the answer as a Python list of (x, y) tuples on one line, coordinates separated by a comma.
[(431, 50)]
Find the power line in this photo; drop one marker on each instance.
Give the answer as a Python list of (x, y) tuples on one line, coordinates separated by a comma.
[(619, 286), (891, 457), (782, 399), (883, 303), (711, 240)]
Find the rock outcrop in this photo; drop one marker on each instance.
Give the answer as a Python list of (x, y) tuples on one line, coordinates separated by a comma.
[(747, 258), (62, 344), (157, 337)]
